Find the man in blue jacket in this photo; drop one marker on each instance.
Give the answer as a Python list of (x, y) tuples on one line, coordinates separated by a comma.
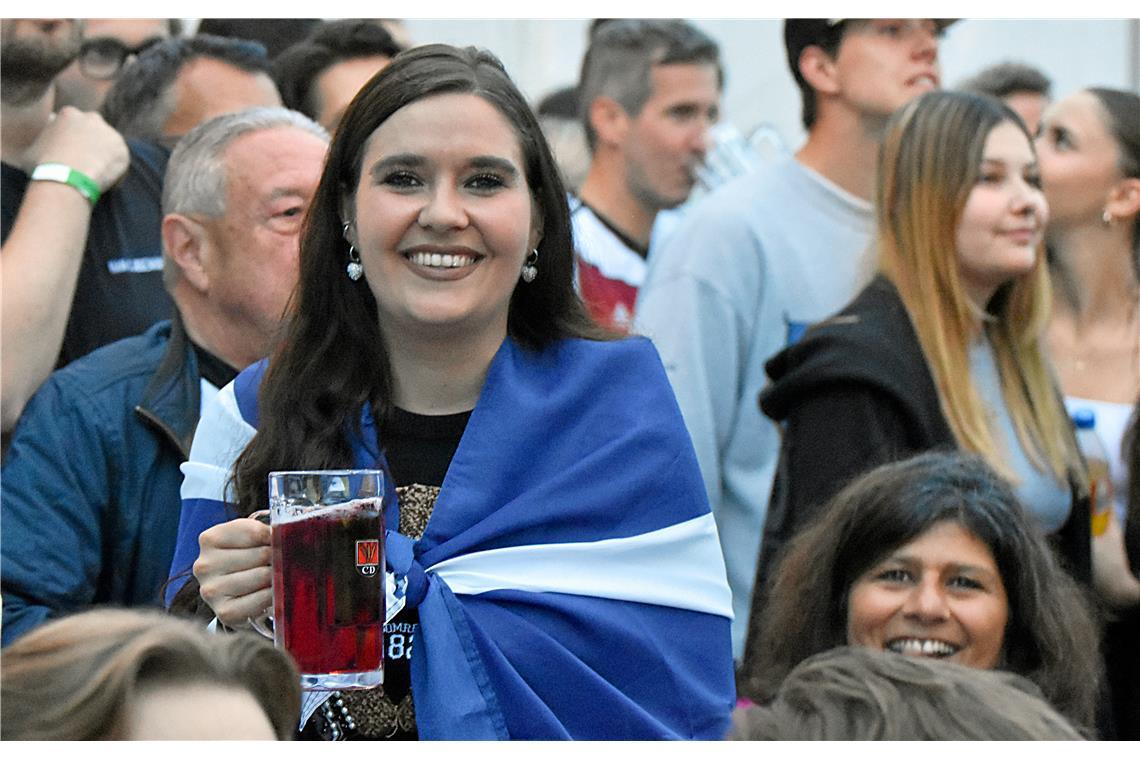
[(90, 485)]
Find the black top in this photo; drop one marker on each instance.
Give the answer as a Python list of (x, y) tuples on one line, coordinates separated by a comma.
[(119, 292), (419, 449), (212, 368)]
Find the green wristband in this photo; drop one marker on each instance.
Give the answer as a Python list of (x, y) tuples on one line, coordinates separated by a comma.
[(65, 174)]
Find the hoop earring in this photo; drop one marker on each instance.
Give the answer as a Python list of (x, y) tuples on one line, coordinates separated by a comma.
[(530, 271), (355, 269)]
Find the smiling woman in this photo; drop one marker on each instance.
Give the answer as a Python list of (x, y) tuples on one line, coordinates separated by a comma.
[(930, 557), (443, 220), (942, 349), (939, 595), (547, 510)]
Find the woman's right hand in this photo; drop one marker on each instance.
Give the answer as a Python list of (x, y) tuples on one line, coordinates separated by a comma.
[(233, 571)]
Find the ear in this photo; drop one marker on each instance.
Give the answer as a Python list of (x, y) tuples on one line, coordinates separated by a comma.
[(1124, 199), (347, 216), (819, 70), (609, 120), (187, 243), (537, 227)]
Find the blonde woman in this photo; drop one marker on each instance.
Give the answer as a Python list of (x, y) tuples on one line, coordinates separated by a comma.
[(940, 351)]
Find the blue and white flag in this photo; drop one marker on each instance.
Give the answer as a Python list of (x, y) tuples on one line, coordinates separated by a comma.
[(570, 582)]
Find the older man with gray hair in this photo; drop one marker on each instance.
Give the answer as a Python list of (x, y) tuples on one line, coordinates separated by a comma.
[(89, 499)]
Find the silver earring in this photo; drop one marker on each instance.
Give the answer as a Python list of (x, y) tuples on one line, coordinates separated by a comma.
[(1106, 217), (355, 269), (530, 271)]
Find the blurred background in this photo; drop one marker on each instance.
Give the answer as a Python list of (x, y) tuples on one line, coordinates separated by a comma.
[(543, 55)]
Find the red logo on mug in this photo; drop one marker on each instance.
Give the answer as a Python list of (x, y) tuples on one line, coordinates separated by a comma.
[(368, 556)]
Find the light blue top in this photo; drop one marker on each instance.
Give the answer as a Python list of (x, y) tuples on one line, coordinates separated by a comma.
[(1046, 498), (746, 269)]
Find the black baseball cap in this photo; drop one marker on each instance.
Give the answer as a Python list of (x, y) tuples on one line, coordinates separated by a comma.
[(799, 33)]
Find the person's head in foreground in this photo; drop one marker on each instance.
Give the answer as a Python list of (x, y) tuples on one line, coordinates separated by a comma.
[(132, 674), (931, 557), (856, 693)]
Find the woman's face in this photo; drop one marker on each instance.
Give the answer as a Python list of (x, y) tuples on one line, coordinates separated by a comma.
[(1004, 218), (940, 595), (443, 219), (1078, 160)]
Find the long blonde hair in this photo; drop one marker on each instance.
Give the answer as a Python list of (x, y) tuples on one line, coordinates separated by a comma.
[(930, 161)]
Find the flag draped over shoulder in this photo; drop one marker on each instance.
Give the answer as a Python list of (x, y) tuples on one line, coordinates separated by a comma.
[(569, 582)]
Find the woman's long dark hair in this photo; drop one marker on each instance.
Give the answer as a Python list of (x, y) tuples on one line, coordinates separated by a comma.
[(1051, 637), (332, 358)]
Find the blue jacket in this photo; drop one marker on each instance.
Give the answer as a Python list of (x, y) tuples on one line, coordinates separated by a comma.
[(90, 484)]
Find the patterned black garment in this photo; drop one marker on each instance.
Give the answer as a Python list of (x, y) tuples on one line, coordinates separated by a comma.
[(419, 449)]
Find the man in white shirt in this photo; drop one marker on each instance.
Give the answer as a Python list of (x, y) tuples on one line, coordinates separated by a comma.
[(649, 93)]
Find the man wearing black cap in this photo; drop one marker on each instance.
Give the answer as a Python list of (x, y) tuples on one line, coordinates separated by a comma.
[(766, 254)]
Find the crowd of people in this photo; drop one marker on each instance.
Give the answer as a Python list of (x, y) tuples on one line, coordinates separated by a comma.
[(681, 442)]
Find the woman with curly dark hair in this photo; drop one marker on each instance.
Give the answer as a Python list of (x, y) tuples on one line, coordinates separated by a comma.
[(933, 557)]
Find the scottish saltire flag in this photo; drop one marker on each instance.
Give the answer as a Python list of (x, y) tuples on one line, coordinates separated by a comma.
[(570, 582)]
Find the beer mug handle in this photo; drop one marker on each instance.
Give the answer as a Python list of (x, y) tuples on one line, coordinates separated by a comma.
[(264, 623)]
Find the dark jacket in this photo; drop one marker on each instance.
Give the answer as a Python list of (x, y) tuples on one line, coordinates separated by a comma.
[(856, 393), (90, 485)]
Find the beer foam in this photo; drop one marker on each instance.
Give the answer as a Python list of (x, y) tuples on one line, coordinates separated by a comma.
[(366, 507)]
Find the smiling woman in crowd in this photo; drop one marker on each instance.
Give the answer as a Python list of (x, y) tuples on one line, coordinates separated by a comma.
[(930, 557), (564, 576), (942, 349)]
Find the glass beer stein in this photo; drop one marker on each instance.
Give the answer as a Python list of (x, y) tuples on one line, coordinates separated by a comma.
[(328, 575)]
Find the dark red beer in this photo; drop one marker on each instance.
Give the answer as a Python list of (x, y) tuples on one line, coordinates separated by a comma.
[(328, 598)]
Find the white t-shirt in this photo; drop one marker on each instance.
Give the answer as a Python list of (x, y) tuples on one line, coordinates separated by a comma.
[(1111, 425)]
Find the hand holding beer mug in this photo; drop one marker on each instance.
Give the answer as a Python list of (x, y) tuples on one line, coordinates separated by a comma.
[(328, 575)]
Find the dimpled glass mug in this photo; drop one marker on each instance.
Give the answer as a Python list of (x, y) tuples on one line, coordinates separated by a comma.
[(328, 575)]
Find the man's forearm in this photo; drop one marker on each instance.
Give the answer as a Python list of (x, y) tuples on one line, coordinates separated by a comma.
[(39, 269)]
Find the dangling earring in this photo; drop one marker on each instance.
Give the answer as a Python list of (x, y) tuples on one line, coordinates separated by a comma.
[(530, 271), (1106, 217), (355, 269)]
